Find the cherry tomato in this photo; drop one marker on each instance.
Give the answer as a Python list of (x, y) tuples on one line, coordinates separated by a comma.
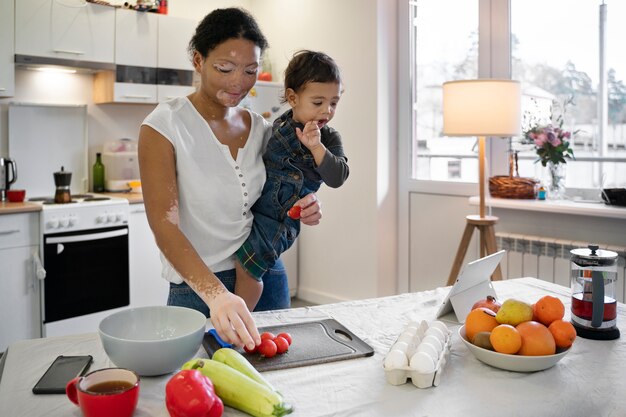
[(267, 348), (282, 345), (285, 336), (265, 76), (253, 350), (267, 335), (294, 212)]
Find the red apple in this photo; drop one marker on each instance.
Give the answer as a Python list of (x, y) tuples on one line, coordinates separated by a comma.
[(489, 302), (265, 76)]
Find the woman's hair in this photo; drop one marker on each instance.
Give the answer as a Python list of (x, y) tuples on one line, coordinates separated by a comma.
[(223, 24), (310, 67)]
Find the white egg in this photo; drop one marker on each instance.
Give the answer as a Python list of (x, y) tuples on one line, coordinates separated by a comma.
[(428, 348), (401, 346), (411, 329), (434, 341), (406, 338), (396, 359), (422, 362), (412, 347), (437, 333), (440, 325)]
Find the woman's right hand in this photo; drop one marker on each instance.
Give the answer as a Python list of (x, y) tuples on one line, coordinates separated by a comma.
[(232, 320)]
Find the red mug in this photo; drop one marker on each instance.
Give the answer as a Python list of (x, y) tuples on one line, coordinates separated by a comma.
[(105, 392)]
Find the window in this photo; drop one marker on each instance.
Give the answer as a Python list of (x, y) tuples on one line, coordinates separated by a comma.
[(555, 53), (562, 60), (444, 47)]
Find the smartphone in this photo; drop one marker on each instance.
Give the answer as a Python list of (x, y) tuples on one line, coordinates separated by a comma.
[(60, 372)]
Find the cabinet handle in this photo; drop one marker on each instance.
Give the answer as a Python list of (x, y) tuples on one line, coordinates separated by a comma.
[(40, 272), (138, 211), (3, 89), (66, 51), (9, 232), (136, 96)]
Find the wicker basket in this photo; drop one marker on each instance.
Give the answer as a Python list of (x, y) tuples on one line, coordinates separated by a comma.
[(504, 186)]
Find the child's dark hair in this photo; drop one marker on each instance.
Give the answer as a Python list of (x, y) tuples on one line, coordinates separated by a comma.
[(223, 24), (310, 67)]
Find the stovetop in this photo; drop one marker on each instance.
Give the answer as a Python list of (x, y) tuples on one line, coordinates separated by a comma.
[(77, 200)]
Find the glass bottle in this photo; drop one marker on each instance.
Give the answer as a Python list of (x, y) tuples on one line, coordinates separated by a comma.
[(98, 174)]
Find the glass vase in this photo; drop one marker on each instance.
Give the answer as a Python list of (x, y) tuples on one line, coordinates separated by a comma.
[(555, 181)]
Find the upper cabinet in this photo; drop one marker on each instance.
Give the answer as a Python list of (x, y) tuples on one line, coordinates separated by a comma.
[(136, 38), (64, 29), (174, 67), (7, 69)]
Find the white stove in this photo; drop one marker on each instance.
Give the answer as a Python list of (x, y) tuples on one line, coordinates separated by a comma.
[(84, 248), (85, 212)]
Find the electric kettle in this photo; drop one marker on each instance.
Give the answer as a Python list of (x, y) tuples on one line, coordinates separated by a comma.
[(8, 175), (593, 280)]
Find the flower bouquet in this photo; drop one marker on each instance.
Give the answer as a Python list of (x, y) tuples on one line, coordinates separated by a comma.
[(552, 145)]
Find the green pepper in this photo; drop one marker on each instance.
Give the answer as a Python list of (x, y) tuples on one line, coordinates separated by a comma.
[(191, 394)]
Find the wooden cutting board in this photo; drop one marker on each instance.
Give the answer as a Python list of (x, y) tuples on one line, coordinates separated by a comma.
[(313, 342)]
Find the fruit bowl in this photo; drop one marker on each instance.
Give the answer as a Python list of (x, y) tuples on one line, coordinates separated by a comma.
[(516, 363)]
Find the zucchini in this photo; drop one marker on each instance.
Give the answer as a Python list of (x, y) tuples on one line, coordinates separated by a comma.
[(236, 360), (239, 391)]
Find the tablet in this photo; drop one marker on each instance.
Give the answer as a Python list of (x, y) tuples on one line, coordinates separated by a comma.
[(473, 284)]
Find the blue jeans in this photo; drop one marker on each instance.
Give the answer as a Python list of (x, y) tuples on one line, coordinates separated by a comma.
[(275, 291)]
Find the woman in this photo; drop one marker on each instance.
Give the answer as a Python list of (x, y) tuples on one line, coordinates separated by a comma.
[(201, 171)]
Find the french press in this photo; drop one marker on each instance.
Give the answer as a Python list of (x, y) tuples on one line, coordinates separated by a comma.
[(593, 279)]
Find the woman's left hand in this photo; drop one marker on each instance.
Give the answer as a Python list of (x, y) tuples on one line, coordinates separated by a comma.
[(311, 213)]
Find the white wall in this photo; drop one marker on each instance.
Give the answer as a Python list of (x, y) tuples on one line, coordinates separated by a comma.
[(352, 253)]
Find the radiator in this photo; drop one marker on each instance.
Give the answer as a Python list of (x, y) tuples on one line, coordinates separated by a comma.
[(548, 259)]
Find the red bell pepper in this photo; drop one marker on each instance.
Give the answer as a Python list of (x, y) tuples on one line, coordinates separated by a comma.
[(191, 394)]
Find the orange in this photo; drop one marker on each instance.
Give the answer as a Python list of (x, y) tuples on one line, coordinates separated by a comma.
[(537, 340), (563, 332), (547, 309), (505, 339), (479, 320)]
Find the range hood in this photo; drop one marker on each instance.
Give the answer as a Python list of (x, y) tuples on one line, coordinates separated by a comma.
[(30, 61)]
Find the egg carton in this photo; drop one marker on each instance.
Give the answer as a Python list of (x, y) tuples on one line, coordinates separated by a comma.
[(425, 353)]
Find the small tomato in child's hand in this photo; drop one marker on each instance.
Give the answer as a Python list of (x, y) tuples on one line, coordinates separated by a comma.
[(294, 212), (267, 348), (282, 345), (285, 336)]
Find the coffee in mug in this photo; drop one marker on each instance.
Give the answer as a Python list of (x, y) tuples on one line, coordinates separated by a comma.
[(105, 392)]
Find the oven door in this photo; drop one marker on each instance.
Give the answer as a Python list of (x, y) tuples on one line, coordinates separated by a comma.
[(86, 272)]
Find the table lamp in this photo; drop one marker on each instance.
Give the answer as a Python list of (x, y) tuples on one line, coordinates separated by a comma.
[(483, 107)]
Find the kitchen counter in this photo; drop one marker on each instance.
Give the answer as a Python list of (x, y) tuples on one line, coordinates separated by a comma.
[(589, 380), (7, 207)]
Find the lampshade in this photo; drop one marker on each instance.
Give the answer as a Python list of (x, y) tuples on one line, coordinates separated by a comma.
[(484, 107)]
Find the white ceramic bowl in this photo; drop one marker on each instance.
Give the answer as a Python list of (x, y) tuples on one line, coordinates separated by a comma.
[(508, 362), (152, 340)]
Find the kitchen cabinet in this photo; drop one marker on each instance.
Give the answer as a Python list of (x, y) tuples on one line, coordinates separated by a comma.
[(147, 287), (19, 287), (174, 67), (70, 30), (7, 68), (134, 79)]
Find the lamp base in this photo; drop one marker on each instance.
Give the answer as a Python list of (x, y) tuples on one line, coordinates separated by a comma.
[(485, 224)]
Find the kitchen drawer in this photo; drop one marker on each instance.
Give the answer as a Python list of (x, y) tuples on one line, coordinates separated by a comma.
[(168, 92), (17, 230)]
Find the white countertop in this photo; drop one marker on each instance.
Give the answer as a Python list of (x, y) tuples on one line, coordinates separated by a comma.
[(588, 381), (555, 206)]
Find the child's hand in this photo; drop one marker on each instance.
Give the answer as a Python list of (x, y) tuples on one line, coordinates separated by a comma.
[(310, 136)]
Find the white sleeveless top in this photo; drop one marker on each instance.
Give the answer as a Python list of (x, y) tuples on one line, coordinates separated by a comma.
[(215, 192)]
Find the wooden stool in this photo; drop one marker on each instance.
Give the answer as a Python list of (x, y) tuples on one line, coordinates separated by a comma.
[(487, 244)]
